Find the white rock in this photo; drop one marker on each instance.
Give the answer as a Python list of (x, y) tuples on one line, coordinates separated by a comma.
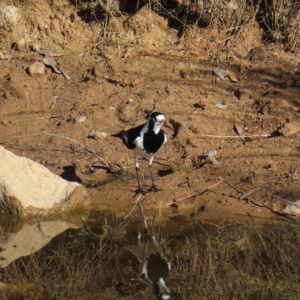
[(28, 187), (30, 239), (9, 15), (293, 208), (82, 119)]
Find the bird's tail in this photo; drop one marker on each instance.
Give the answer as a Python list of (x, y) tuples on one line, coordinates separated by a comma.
[(121, 135), (118, 135)]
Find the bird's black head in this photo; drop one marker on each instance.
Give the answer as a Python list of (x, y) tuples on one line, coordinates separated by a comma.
[(156, 117), (155, 121)]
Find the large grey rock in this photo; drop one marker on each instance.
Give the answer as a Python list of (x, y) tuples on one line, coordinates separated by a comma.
[(28, 187)]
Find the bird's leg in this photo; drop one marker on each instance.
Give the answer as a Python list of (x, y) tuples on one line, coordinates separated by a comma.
[(137, 169), (153, 187)]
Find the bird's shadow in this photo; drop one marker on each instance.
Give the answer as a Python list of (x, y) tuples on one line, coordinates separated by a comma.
[(163, 173), (70, 174)]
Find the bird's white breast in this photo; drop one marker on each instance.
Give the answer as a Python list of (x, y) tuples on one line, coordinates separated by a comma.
[(139, 149)]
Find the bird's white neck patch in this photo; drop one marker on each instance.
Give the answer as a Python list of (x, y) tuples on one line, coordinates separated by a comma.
[(157, 126), (160, 119)]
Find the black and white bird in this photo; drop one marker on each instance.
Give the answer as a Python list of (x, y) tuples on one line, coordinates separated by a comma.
[(144, 141)]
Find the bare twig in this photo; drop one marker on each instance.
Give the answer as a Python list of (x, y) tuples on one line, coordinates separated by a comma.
[(72, 140), (231, 136), (64, 137), (51, 117), (88, 230), (286, 201), (154, 82), (196, 194), (126, 216), (143, 217), (246, 195), (249, 198)]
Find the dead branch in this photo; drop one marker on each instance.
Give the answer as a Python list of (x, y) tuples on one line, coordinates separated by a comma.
[(196, 194), (249, 198), (126, 216), (143, 217), (231, 136), (286, 201), (94, 234), (246, 195)]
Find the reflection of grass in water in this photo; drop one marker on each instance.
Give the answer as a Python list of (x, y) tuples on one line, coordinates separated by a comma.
[(235, 263), (68, 268), (208, 262)]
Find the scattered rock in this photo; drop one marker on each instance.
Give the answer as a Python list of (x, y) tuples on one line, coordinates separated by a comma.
[(240, 131), (9, 15), (37, 68), (290, 128), (4, 56), (294, 174), (222, 105), (251, 130), (293, 208), (20, 44), (50, 61), (100, 135), (210, 157), (128, 112), (82, 119), (26, 186), (222, 74), (231, 76)]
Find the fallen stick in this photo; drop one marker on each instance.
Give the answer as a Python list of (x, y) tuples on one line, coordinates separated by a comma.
[(232, 136), (64, 137), (196, 194), (143, 217), (72, 140), (127, 215), (249, 198), (286, 201), (256, 189)]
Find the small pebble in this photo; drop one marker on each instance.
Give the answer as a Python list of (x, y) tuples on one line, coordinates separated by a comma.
[(20, 44), (37, 68), (82, 119), (222, 105), (101, 135)]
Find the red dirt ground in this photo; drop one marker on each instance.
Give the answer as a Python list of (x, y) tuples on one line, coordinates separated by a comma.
[(123, 81)]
